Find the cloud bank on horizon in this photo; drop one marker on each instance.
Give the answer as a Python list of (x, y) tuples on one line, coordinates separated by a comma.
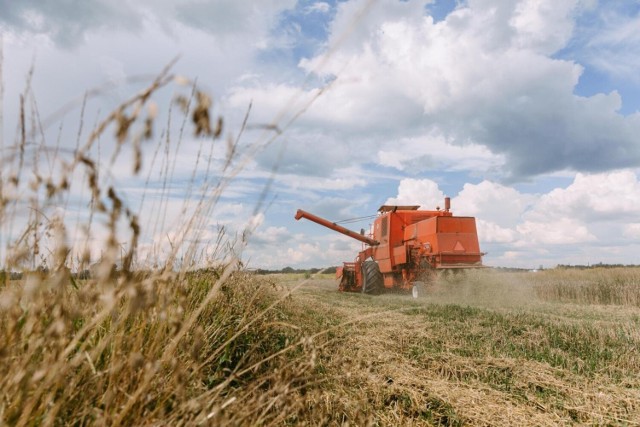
[(525, 112)]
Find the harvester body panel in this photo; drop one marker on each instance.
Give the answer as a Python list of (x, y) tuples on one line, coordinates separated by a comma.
[(451, 241)]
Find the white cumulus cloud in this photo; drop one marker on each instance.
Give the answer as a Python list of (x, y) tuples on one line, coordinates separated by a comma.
[(567, 224), (423, 192)]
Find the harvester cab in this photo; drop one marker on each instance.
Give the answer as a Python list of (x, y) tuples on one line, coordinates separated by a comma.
[(406, 247)]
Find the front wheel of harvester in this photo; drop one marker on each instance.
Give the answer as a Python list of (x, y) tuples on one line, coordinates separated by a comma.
[(372, 278), (418, 290)]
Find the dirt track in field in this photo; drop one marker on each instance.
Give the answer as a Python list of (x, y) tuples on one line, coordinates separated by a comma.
[(490, 360)]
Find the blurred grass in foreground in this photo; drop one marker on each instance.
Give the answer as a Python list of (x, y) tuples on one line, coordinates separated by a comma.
[(96, 330)]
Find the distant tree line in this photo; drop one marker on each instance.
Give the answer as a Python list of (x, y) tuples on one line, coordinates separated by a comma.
[(289, 270), (511, 269), (87, 274), (598, 265)]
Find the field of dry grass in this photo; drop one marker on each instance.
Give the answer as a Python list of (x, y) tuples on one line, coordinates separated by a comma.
[(113, 313), (175, 351), (488, 349), (215, 346), (97, 329)]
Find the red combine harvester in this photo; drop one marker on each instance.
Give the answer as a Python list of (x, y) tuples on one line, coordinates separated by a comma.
[(407, 246)]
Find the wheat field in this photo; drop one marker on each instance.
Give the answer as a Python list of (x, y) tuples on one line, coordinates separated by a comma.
[(102, 322), (490, 348)]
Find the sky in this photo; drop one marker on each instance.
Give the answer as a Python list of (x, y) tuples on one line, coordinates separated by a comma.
[(525, 112)]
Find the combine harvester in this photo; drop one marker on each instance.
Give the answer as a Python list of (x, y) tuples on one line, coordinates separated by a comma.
[(406, 247)]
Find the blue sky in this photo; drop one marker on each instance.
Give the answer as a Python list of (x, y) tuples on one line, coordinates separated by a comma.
[(526, 113)]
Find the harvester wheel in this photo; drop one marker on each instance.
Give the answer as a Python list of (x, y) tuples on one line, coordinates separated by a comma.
[(372, 278), (419, 290)]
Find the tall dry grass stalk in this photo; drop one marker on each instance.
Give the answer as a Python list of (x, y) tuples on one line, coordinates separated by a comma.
[(175, 336), (120, 314)]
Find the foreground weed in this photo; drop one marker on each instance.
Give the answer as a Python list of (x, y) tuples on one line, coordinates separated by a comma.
[(120, 338)]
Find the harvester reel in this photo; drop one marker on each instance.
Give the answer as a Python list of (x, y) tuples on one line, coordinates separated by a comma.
[(372, 278)]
